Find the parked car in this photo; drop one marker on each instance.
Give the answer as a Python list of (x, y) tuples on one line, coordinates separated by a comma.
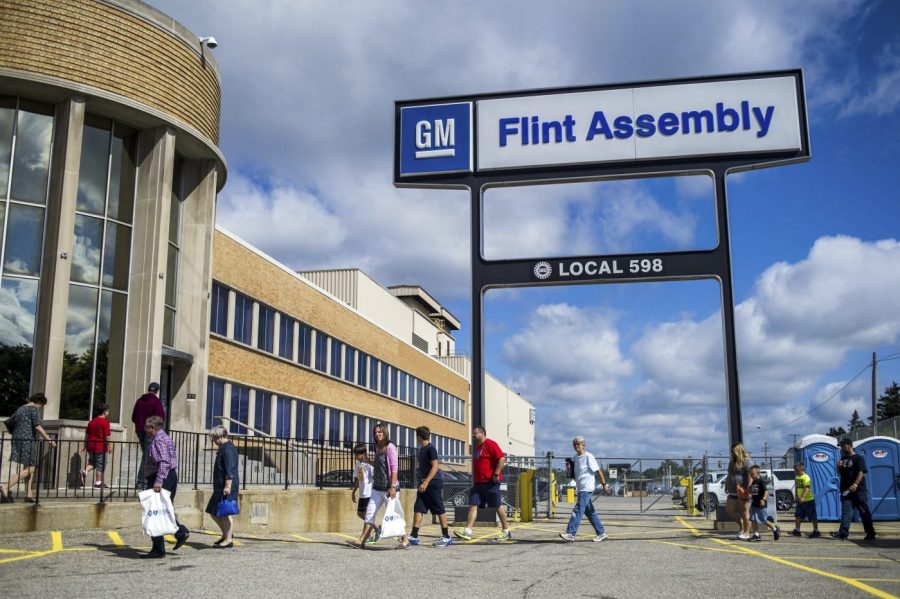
[(780, 481), (335, 478)]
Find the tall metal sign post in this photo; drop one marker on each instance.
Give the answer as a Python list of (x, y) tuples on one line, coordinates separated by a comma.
[(712, 125)]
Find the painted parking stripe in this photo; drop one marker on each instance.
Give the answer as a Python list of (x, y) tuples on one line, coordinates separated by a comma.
[(115, 538), (56, 543)]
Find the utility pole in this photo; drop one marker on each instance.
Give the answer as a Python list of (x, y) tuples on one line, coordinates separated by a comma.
[(874, 394), (765, 449)]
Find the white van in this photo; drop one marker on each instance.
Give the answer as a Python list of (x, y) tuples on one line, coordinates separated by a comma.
[(782, 485)]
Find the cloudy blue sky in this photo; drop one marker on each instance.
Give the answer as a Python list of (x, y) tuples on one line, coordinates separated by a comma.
[(307, 128)]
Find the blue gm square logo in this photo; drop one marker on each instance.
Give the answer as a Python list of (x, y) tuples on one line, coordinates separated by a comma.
[(436, 139)]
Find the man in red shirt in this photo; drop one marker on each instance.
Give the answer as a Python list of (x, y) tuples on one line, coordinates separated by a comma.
[(96, 444), (487, 466)]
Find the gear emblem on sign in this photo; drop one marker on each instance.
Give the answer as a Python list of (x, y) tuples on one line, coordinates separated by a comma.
[(543, 270)]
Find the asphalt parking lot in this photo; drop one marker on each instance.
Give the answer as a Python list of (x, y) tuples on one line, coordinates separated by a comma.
[(650, 555)]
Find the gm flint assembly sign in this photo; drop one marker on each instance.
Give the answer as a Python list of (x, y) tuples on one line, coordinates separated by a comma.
[(725, 116)]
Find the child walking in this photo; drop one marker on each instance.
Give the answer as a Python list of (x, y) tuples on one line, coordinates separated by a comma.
[(363, 475), (805, 500), (96, 444), (759, 495)]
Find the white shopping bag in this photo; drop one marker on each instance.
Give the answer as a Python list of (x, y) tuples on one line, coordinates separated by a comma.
[(159, 515), (393, 525)]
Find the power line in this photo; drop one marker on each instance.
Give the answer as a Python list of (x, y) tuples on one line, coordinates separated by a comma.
[(888, 358)]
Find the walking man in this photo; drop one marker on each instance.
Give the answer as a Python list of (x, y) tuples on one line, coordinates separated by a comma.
[(487, 464), (854, 495), (146, 406), (587, 472), (431, 482)]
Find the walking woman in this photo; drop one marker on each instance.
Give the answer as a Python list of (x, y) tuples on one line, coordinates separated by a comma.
[(28, 425), (385, 485), (226, 482), (737, 486)]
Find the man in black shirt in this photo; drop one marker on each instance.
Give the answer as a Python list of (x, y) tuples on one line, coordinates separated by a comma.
[(854, 495), (431, 481)]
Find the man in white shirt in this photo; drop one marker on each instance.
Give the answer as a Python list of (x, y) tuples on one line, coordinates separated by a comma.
[(586, 471)]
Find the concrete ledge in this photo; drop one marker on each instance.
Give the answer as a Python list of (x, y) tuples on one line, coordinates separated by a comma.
[(263, 509)]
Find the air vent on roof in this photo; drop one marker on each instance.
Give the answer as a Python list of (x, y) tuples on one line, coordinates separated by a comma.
[(419, 343)]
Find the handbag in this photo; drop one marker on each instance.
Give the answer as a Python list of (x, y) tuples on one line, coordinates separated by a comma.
[(227, 507), (393, 524), (158, 517)]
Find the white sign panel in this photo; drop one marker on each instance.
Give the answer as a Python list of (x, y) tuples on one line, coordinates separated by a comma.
[(742, 116)]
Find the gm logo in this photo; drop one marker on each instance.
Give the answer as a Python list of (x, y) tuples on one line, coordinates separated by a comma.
[(436, 139)]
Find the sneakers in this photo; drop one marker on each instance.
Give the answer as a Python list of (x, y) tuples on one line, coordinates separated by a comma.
[(443, 542), (463, 533), (841, 536), (377, 534), (504, 535), (742, 537), (82, 475), (869, 537), (600, 537), (813, 535), (796, 533), (776, 532), (567, 537), (413, 540), (101, 485), (755, 538)]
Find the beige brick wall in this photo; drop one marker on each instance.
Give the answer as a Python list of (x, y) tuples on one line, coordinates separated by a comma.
[(95, 44), (240, 268)]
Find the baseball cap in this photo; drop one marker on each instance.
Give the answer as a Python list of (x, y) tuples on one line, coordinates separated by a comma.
[(153, 387), (846, 441)]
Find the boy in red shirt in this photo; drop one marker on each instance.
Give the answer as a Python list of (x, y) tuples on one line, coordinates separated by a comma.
[(96, 444)]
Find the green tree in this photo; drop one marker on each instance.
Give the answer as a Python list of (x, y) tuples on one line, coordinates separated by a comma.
[(836, 432), (15, 377), (888, 405), (855, 421)]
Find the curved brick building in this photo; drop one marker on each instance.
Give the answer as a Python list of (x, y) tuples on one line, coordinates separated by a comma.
[(109, 169)]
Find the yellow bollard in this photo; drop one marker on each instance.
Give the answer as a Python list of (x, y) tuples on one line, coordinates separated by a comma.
[(526, 494), (570, 494)]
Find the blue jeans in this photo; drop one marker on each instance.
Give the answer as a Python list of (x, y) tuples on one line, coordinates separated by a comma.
[(858, 501), (584, 507)]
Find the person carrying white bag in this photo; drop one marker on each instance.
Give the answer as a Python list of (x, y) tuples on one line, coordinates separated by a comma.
[(385, 492), (159, 514), (161, 474)]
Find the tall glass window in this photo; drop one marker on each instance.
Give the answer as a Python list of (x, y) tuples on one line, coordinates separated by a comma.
[(373, 373), (321, 351), (286, 337), (283, 417), (240, 409), (218, 309), (101, 254), (304, 344), (262, 412), (385, 372), (347, 436), (362, 374), (26, 133), (318, 424), (350, 364), (334, 427), (243, 318), (266, 329), (302, 424), (176, 199), (337, 349), (215, 402)]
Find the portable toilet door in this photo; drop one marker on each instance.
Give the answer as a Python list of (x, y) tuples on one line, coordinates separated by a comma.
[(882, 455), (819, 453)]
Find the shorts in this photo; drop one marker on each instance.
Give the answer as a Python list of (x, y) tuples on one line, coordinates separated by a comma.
[(759, 515), (362, 504), (485, 495), (806, 511), (430, 499), (97, 460)]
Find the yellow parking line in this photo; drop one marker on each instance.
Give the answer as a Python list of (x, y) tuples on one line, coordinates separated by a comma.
[(170, 538), (340, 534), (308, 540), (14, 551), (56, 540), (693, 546), (115, 538), (849, 581), (879, 579), (694, 531)]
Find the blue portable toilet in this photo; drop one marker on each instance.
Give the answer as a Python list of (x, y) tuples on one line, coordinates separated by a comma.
[(820, 453), (882, 455)]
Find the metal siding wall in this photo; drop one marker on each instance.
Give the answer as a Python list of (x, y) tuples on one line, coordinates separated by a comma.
[(378, 305), (458, 364), (520, 440), (343, 284)]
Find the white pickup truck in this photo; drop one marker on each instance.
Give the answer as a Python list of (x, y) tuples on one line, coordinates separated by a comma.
[(783, 488)]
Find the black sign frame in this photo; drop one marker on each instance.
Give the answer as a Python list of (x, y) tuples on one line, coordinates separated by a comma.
[(714, 263)]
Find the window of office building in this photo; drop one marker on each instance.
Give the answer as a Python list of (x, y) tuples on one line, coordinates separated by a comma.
[(176, 200), (26, 130), (349, 364), (215, 402), (318, 424), (243, 318), (240, 409), (302, 421), (262, 412), (94, 344), (218, 309), (283, 417), (321, 351), (265, 337), (286, 337), (304, 344), (385, 371), (347, 436), (334, 427), (337, 348), (362, 376)]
